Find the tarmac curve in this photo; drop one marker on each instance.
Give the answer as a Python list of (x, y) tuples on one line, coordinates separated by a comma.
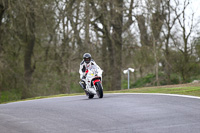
[(115, 113)]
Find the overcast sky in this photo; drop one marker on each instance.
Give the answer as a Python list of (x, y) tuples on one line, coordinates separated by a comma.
[(195, 7)]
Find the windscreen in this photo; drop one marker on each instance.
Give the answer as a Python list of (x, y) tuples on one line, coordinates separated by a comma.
[(92, 67)]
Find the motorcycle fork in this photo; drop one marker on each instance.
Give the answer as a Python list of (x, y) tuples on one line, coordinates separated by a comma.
[(94, 87)]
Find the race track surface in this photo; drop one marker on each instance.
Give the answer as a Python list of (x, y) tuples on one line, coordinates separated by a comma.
[(115, 113)]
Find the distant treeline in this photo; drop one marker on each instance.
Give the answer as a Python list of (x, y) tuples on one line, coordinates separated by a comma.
[(42, 43)]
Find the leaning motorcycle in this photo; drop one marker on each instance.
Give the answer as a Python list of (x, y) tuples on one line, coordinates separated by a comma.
[(94, 82)]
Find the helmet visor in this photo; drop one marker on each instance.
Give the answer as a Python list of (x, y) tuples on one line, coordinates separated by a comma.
[(87, 60)]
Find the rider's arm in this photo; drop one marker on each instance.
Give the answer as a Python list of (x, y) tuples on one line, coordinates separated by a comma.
[(81, 70), (94, 63)]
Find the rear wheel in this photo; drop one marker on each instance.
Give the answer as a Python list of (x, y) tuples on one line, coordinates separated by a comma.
[(99, 90)]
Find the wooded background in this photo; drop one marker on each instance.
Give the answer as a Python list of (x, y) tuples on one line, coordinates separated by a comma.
[(42, 43)]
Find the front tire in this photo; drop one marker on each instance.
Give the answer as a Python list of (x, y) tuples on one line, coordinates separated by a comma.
[(99, 90), (90, 96)]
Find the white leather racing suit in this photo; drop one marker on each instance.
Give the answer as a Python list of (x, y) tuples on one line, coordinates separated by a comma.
[(84, 66)]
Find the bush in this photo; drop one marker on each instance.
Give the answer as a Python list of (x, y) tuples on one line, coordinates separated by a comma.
[(144, 81), (124, 84), (150, 80), (9, 95), (175, 79)]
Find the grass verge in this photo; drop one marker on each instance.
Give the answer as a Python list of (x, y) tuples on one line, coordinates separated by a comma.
[(182, 89)]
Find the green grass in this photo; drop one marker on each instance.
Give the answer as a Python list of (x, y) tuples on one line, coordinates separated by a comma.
[(11, 95), (42, 97), (184, 89)]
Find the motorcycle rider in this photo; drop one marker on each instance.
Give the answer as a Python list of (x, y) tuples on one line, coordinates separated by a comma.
[(84, 65)]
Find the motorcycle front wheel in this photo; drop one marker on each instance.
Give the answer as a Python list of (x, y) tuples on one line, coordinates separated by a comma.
[(99, 90), (90, 96)]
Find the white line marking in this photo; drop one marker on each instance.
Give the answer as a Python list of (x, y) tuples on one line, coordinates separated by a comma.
[(160, 94)]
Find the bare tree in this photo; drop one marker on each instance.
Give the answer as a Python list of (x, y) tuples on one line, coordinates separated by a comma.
[(157, 21), (186, 50), (170, 22), (110, 16), (151, 39)]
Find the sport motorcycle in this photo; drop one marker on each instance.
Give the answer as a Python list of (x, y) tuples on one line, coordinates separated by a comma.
[(93, 82)]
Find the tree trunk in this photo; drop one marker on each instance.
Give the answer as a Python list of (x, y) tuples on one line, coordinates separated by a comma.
[(167, 54), (144, 37), (106, 58), (87, 21), (157, 21), (168, 70), (3, 7), (2, 10), (30, 40), (117, 45), (156, 62)]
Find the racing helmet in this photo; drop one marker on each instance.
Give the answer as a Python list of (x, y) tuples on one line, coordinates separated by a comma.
[(87, 57)]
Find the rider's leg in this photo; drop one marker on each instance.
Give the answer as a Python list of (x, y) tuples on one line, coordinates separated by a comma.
[(82, 84)]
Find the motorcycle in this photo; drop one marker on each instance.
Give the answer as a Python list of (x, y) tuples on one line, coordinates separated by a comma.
[(93, 82)]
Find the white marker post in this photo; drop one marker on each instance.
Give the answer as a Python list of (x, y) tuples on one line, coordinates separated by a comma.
[(127, 71)]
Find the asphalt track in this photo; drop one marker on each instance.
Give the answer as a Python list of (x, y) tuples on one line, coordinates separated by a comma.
[(115, 113)]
